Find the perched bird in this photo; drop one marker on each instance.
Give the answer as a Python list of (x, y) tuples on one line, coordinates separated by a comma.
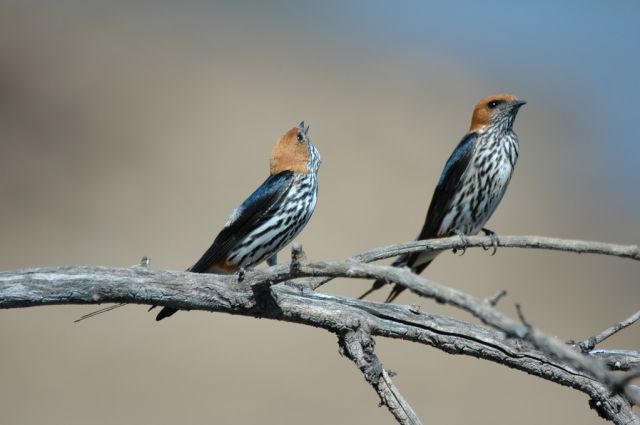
[(472, 183), (270, 217)]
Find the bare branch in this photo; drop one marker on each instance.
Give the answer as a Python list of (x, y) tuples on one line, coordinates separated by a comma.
[(565, 352), (579, 361), (532, 242), (223, 293), (358, 346), (588, 344), (252, 293)]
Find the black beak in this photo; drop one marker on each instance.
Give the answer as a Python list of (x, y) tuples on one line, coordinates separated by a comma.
[(518, 103)]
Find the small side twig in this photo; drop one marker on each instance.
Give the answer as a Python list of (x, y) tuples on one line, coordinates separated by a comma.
[(493, 301), (358, 346), (590, 343)]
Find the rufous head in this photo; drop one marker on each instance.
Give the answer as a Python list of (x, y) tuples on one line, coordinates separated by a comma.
[(295, 152), (499, 109)]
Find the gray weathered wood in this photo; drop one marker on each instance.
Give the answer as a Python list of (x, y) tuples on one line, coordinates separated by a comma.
[(515, 344)]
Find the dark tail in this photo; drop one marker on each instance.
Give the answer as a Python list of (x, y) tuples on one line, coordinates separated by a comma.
[(397, 289), (402, 261), (165, 312)]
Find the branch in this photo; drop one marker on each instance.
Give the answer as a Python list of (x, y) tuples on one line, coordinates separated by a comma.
[(532, 242), (483, 309), (525, 241), (255, 297), (578, 360), (590, 343), (358, 346)]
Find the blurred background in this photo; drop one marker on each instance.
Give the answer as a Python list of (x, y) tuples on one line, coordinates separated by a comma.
[(134, 128)]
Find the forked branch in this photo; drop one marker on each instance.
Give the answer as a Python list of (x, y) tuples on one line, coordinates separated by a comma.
[(515, 344)]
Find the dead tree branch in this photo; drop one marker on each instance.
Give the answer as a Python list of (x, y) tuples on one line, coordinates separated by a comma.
[(530, 242), (358, 346), (590, 343), (515, 344)]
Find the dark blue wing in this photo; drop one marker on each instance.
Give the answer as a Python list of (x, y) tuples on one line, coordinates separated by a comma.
[(448, 185), (246, 217)]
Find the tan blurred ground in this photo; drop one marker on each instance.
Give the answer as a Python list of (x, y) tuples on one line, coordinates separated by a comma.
[(135, 131)]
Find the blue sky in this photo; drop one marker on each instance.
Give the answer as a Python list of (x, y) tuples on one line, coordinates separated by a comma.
[(586, 52)]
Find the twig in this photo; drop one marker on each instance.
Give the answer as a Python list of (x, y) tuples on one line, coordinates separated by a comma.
[(532, 242), (358, 346), (497, 297), (590, 343)]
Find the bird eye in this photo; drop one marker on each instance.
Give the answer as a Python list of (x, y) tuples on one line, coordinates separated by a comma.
[(494, 103), (300, 137)]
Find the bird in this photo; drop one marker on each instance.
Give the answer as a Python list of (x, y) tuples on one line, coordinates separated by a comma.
[(472, 183), (271, 217)]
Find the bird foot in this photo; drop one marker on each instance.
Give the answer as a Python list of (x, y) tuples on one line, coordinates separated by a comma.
[(465, 243), (494, 240)]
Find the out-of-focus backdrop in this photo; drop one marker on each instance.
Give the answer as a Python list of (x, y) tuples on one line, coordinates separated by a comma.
[(134, 128)]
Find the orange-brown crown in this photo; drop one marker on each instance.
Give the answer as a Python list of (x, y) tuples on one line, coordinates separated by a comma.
[(484, 110), (291, 152)]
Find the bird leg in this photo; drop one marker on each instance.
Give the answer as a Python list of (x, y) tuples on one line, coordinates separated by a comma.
[(465, 242), (494, 240)]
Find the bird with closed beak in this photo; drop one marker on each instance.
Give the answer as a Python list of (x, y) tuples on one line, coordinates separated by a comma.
[(269, 218), (472, 183)]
